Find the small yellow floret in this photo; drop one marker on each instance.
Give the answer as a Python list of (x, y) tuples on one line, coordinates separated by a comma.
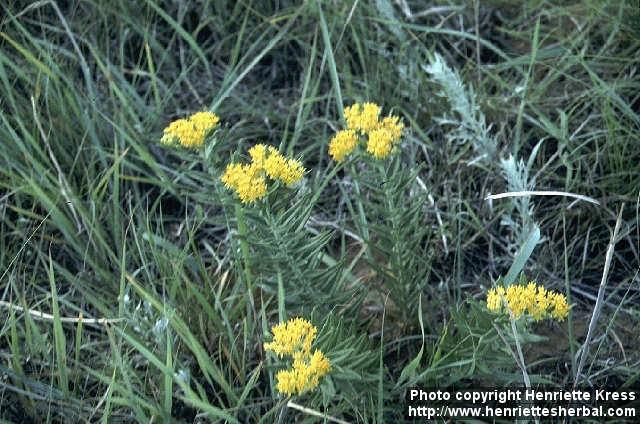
[(274, 163), (232, 175), (287, 382), (173, 131), (560, 307), (394, 126), (258, 154), (319, 364), (277, 167), (293, 172), (304, 375), (363, 119), (246, 180), (251, 184), (342, 144), (494, 298)]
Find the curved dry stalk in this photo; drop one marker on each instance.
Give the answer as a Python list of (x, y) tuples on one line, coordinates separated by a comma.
[(541, 193), (48, 317), (584, 351)]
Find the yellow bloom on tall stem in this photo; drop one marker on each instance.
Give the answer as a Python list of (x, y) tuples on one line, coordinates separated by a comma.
[(275, 164), (393, 125), (232, 175), (252, 184)]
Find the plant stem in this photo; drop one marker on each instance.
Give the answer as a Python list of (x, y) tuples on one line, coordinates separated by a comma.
[(525, 375), (567, 290), (244, 249)]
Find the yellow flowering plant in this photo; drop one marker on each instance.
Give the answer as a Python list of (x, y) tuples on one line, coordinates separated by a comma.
[(249, 181), (190, 132), (386, 199), (525, 300), (364, 127), (530, 299), (294, 339)]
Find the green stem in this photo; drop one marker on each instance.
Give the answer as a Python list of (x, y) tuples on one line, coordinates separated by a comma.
[(244, 249), (523, 367), (361, 215), (318, 192)]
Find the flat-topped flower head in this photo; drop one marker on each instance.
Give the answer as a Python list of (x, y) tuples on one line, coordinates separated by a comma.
[(530, 299), (274, 164), (249, 181), (559, 306), (190, 132), (379, 136), (295, 335), (252, 185), (294, 339), (246, 180)]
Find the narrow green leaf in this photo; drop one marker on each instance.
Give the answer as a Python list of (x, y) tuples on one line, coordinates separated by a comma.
[(523, 254), (58, 334), (333, 70)]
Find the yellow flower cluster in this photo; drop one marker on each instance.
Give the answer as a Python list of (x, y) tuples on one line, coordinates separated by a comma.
[(343, 143), (190, 132), (363, 119), (294, 338), (532, 299), (249, 180)]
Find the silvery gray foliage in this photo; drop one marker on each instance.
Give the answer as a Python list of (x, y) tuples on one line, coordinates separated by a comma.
[(470, 126), (468, 120), (146, 321), (516, 173)]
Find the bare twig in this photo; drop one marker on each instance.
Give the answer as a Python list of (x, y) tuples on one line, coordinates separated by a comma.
[(48, 317), (541, 193), (315, 413)]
